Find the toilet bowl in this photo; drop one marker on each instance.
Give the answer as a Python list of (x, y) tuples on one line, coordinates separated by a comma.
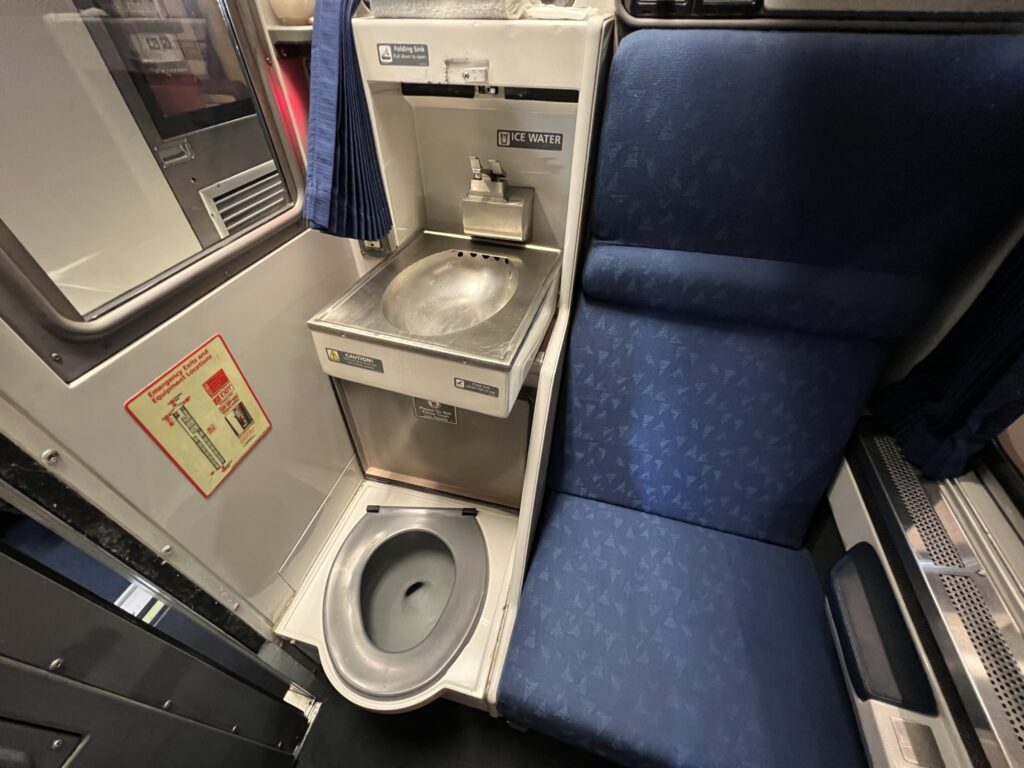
[(403, 597)]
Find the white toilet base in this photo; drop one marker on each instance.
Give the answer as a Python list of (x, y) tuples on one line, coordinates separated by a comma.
[(466, 679)]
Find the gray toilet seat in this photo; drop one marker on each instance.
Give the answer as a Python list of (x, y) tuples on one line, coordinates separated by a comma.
[(430, 548)]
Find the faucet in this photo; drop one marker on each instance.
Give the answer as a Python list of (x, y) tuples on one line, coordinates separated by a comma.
[(487, 182), (492, 209)]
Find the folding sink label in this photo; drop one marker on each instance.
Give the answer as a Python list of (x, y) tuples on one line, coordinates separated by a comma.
[(403, 54)]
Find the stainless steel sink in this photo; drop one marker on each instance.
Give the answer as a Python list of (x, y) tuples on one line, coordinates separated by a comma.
[(449, 291), (448, 296)]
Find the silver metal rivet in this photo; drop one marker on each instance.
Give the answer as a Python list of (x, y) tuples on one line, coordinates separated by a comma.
[(166, 548), (55, 356), (234, 729), (57, 744), (50, 456), (280, 745), (167, 704), (56, 664), (234, 605)]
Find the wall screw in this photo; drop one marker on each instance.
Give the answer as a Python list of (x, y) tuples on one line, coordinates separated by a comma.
[(234, 605), (167, 704), (57, 744), (56, 664), (234, 729), (55, 356), (50, 456), (166, 549)]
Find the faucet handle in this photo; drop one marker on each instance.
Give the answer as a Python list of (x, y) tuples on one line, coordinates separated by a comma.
[(475, 167), (497, 172)]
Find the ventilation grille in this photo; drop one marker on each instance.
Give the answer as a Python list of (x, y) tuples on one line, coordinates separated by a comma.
[(991, 647), (920, 509), (972, 605), (250, 202)]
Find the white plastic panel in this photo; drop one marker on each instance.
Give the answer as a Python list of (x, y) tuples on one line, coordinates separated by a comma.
[(235, 541), (525, 53)]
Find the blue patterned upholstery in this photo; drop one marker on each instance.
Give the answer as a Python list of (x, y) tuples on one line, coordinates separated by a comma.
[(761, 237), (733, 428), (655, 642), (761, 292), (882, 152), (772, 211)]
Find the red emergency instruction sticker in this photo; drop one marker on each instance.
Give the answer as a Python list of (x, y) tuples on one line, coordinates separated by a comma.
[(203, 414)]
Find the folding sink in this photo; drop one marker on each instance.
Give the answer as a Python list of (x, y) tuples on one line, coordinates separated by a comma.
[(446, 319)]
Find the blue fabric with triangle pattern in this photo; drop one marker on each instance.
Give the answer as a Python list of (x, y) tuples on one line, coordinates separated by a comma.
[(773, 211), (656, 642)]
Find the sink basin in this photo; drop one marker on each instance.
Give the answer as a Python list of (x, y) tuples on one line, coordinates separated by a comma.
[(448, 292), (441, 296), (449, 320)]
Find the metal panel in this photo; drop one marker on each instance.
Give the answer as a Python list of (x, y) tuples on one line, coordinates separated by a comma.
[(120, 732), (475, 456), (50, 626), (41, 496), (981, 643), (34, 747)]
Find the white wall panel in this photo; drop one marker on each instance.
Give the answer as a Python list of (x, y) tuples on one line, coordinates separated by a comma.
[(245, 531)]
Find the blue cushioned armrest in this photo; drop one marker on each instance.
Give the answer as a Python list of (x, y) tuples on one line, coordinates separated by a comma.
[(763, 292), (881, 658)]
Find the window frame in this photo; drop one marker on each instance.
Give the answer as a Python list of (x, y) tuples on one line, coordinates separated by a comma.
[(70, 343)]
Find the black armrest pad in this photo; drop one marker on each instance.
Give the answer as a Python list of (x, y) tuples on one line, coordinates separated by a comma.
[(879, 652)]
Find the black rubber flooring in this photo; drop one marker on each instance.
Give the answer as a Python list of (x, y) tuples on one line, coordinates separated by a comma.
[(442, 734)]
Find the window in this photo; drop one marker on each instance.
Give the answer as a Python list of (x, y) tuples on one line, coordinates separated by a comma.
[(130, 142)]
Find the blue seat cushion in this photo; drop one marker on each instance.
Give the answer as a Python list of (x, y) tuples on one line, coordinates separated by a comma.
[(657, 642)]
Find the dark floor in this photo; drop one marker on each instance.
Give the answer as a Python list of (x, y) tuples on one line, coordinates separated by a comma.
[(440, 735)]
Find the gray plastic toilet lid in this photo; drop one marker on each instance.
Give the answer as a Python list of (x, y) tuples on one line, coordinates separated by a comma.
[(383, 674)]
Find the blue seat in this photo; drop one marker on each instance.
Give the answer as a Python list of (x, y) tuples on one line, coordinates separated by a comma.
[(772, 212), (657, 642)]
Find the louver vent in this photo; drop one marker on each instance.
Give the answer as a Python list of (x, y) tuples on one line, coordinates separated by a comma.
[(963, 595), (921, 511), (246, 199)]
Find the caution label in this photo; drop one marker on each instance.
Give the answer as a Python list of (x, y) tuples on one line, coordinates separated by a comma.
[(203, 414)]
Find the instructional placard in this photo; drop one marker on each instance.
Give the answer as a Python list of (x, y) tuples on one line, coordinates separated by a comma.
[(203, 414)]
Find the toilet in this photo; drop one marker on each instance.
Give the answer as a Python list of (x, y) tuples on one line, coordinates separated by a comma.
[(403, 597)]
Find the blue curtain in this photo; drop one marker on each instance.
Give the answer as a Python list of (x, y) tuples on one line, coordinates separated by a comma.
[(971, 386), (344, 188)]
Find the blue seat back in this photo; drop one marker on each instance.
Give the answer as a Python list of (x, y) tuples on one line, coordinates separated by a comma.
[(772, 211)]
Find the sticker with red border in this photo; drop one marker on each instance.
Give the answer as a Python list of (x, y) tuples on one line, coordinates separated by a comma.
[(202, 413)]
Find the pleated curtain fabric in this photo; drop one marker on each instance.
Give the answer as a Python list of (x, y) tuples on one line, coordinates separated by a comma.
[(970, 387), (344, 188)]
